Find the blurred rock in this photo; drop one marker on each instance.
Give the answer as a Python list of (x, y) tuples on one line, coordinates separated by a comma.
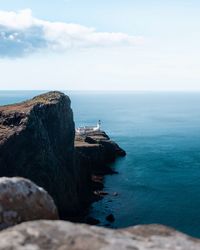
[(59, 235), (22, 200)]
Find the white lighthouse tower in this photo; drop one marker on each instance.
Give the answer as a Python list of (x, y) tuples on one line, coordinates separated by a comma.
[(98, 127)]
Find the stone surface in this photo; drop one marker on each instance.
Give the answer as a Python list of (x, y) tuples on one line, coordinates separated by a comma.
[(22, 200), (59, 235), (37, 142)]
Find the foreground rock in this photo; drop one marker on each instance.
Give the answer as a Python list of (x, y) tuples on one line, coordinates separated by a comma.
[(37, 142), (59, 235), (22, 200)]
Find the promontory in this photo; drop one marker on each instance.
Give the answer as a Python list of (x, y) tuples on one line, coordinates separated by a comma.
[(37, 141)]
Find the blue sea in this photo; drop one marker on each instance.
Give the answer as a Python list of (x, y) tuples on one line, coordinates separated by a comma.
[(159, 179)]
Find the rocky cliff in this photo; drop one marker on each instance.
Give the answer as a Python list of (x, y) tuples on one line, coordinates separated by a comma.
[(98, 149), (60, 235), (37, 142), (93, 153)]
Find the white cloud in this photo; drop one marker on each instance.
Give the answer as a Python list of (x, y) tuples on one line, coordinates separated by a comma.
[(21, 33), (21, 20)]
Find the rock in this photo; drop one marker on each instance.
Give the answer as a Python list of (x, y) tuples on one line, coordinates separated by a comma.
[(115, 194), (100, 193), (110, 218), (90, 140), (93, 154), (59, 235), (97, 178), (22, 200), (37, 142), (103, 193), (98, 150)]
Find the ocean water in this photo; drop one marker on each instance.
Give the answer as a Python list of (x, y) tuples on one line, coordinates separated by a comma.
[(159, 179)]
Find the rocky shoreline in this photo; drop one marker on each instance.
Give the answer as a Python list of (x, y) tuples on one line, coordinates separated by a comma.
[(38, 142), (61, 174), (96, 151)]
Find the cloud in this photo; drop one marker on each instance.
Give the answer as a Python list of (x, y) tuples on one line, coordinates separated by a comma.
[(21, 34)]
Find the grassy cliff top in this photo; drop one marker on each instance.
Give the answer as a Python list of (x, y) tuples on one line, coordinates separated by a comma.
[(44, 99)]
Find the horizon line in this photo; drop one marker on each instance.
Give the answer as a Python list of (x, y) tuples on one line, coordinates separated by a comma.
[(104, 90)]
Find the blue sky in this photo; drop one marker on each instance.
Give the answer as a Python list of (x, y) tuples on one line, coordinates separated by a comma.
[(111, 45)]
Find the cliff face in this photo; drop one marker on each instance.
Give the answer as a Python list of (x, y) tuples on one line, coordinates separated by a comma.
[(98, 150), (37, 142), (93, 153)]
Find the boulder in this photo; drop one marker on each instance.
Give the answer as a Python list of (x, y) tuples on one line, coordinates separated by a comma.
[(60, 235), (21, 200)]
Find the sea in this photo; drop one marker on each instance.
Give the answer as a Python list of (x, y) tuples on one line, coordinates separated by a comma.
[(159, 179)]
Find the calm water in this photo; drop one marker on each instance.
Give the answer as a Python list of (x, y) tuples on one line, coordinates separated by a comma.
[(159, 180)]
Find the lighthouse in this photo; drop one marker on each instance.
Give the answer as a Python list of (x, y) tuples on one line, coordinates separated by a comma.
[(99, 125), (87, 129)]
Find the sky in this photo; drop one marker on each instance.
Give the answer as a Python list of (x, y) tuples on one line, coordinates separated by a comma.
[(100, 45)]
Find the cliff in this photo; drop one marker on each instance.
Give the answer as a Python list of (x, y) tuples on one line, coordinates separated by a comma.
[(94, 152), (57, 235), (37, 142), (98, 149)]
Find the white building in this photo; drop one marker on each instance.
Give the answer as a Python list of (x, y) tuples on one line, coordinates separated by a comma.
[(88, 129)]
